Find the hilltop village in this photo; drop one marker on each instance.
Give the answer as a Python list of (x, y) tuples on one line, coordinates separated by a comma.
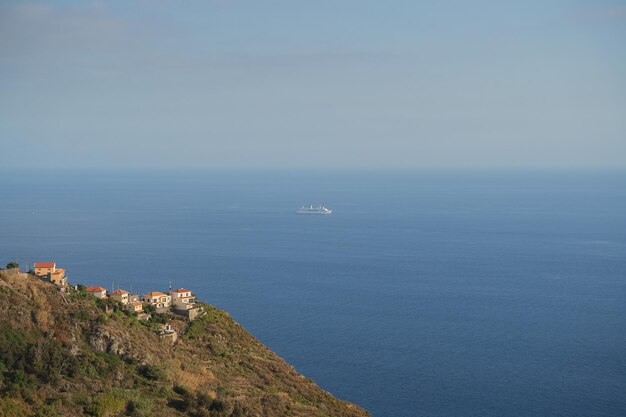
[(180, 301), (71, 350)]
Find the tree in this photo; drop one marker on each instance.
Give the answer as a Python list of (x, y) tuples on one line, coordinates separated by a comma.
[(13, 265)]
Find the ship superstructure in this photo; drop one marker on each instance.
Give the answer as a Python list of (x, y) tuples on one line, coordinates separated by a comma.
[(313, 210)]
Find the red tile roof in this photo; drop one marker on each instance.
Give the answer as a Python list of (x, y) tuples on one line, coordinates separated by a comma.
[(181, 290), (45, 264), (154, 294), (95, 289), (119, 292), (59, 271)]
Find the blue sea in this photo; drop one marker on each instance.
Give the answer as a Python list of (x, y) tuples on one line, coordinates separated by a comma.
[(425, 293)]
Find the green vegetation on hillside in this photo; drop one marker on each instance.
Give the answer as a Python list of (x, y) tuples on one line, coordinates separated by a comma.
[(62, 355)]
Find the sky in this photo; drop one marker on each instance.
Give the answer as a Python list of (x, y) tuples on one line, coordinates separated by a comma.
[(313, 84)]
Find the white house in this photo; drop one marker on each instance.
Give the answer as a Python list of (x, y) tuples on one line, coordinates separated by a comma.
[(120, 296), (135, 307), (98, 292), (158, 299), (182, 299)]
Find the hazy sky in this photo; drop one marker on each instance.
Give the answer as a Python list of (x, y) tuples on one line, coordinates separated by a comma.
[(289, 83)]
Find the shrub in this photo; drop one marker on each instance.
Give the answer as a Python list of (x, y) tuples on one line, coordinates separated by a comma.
[(133, 409), (15, 379), (199, 405), (105, 404), (159, 318), (46, 410), (13, 407), (151, 372), (80, 315), (13, 346), (180, 390)]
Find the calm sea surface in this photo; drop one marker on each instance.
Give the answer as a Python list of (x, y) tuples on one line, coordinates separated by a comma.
[(423, 294)]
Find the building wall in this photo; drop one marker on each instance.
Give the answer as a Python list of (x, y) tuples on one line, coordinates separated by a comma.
[(181, 294), (120, 298), (134, 309), (58, 279), (42, 272), (166, 300), (184, 303), (191, 314), (160, 301)]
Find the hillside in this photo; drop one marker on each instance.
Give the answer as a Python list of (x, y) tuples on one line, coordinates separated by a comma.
[(62, 355)]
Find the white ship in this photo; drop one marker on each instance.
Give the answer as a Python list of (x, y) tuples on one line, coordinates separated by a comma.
[(313, 210)]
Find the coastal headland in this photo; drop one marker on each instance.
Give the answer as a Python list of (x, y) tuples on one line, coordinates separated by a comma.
[(66, 351)]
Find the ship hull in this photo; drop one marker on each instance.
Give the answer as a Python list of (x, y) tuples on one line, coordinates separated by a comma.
[(321, 210)]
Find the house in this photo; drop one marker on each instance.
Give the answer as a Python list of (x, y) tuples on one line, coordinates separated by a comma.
[(120, 296), (158, 299), (97, 292), (44, 269), (166, 332), (182, 299), (58, 277), (135, 307), (50, 271)]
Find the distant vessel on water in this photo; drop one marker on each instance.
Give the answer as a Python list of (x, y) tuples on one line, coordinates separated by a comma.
[(313, 210)]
